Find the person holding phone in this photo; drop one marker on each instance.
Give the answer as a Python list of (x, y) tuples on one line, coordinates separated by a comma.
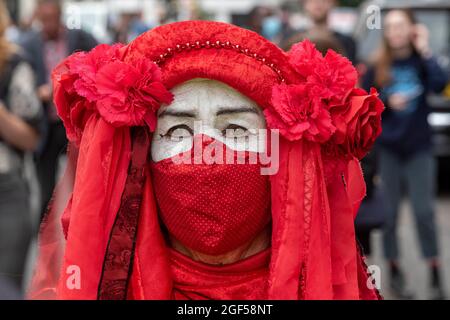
[(405, 71)]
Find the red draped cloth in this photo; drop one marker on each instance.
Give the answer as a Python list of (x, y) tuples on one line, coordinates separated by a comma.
[(245, 279), (111, 232)]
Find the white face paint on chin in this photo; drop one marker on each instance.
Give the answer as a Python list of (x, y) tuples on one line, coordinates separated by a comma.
[(203, 106)]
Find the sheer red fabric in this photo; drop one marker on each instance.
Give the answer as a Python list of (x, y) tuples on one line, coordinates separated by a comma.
[(101, 172), (314, 195), (51, 236)]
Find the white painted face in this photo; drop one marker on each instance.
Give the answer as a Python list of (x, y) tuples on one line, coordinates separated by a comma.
[(203, 106)]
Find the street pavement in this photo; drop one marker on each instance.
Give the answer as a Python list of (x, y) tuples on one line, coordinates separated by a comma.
[(414, 267)]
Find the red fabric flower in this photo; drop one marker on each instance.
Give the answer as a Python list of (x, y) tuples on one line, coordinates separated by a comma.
[(100, 82), (299, 112), (87, 65), (305, 58), (325, 103), (358, 121), (334, 73), (131, 94), (73, 109)]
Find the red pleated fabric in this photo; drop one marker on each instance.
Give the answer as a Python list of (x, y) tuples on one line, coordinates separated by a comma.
[(242, 280)]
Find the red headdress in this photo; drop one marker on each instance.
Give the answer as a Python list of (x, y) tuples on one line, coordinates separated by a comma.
[(111, 237)]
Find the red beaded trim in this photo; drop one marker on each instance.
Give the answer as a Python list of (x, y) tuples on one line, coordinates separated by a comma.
[(217, 45)]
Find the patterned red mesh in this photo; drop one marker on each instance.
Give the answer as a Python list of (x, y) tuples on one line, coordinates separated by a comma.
[(230, 205)]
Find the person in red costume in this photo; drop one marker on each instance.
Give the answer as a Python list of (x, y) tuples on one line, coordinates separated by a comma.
[(168, 193)]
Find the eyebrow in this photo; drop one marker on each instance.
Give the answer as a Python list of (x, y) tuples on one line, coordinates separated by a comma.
[(223, 111), (179, 114)]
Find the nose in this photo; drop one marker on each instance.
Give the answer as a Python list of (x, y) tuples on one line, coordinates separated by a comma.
[(203, 140)]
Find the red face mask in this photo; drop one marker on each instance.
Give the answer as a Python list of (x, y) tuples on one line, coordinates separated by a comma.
[(212, 208)]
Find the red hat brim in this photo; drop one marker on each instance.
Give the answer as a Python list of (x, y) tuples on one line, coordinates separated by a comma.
[(203, 49)]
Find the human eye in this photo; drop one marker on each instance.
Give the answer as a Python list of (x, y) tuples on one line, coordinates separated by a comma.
[(178, 133), (234, 131)]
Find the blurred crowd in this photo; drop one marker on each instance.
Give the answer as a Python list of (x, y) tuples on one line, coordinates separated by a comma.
[(403, 68)]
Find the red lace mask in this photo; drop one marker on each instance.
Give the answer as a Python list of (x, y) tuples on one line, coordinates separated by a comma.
[(212, 208)]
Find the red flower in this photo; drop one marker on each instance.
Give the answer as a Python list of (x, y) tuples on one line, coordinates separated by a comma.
[(337, 75), (333, 73), (305, 58), (73, 109), (87, 65), (131, 94), (302, 111), (124, 94), (299, 112), (358, 121)]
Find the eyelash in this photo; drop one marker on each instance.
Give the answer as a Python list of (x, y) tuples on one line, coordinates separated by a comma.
[(180, 126), (231, 126)]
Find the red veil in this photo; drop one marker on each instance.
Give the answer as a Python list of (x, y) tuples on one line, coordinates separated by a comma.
[(103, 226)]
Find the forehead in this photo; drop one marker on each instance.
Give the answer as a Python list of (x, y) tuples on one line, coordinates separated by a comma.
[(49, 8), (395, 17), (206, 94)]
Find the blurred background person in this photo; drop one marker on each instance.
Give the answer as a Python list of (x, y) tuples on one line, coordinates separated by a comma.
[(20, 123), (256, 18), (322, 39), (318, 12), (371, 214), (130, 26), (46, 46), (404, 71), (287, 30), (271, 25), (8, 291)]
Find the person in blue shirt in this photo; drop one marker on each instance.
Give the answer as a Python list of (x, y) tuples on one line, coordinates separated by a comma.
[(405, 71)]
